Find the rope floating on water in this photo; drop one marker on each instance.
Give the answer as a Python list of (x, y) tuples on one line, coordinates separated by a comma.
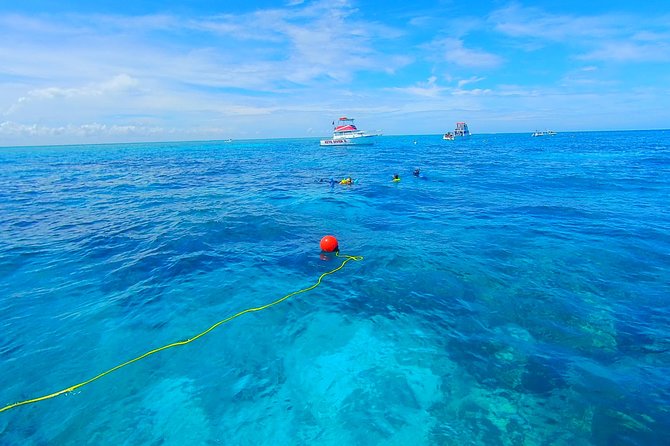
[(187, 341)]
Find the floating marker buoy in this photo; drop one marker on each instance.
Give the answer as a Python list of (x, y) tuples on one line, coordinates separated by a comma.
[(328, 243)]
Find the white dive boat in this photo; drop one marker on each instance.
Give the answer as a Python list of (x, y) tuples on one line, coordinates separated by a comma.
[(461, 129), (545, 133), (345, 133)]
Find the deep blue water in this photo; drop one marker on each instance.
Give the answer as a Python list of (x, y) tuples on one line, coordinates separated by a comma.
[(516, 294)]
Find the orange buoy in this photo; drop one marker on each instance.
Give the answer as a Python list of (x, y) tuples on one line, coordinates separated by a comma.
[(329, 243)]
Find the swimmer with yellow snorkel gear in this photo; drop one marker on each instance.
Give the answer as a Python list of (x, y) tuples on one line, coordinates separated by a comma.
[(345, 181)]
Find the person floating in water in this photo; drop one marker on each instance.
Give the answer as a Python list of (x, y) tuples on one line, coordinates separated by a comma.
[(417, 174), (347, 181), (396, 178)]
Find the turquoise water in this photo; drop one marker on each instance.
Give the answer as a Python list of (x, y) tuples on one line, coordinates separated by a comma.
[(515, 294)]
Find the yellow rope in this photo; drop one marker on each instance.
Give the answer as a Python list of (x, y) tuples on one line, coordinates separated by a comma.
[(188, 341)]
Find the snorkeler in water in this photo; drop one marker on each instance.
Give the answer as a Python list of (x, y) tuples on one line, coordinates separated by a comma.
[(417, 174)]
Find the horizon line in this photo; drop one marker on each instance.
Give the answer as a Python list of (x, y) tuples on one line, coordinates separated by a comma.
[(230, 140)]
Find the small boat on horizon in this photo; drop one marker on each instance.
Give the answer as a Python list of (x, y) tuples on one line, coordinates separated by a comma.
[(545, 133), (460, 131), (345, 133)]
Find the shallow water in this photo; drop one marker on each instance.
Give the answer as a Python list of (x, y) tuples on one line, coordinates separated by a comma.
[(516, 293)]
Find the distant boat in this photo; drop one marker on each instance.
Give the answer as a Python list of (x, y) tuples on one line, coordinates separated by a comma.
[(536, 133), (545, 133), (345, 133), (550, 132), (461, 130)]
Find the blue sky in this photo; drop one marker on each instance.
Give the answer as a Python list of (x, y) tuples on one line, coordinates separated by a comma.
[(104, 71)]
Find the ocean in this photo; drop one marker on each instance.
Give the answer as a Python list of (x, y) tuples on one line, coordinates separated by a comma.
[(517, 292)]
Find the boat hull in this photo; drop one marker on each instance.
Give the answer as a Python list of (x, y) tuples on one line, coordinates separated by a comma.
[(360, 141)]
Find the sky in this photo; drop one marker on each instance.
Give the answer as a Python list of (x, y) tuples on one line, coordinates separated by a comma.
[(107, 71)]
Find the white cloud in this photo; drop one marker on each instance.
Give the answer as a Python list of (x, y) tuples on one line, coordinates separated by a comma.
[(517, 21), (265, 50), (119, 83), (606, 37), (425, 89), (473, 92), (430, 89), (453, 50), (628, 51), (9, 128), (651, 36), (473, 79)]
